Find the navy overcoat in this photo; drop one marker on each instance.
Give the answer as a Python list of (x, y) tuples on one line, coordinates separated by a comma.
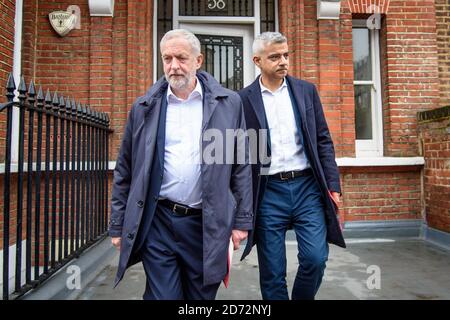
[(317, 142), (226, 187)]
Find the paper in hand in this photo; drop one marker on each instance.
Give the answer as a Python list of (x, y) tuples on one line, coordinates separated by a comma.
[(226, 280)]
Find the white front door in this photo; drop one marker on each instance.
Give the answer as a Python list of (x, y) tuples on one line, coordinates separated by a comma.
[(227, 51)]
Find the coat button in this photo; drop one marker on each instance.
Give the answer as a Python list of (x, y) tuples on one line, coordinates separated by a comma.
[(140, 203), (130, 236)]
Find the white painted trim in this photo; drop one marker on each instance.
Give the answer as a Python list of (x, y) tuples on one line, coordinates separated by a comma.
[(380, 161), (175, 14), (215, 19), (375, 38), (217, 29), (155, 41), (101, 8), (374, 146), (361, 162), (328, 9), (17, 71), (277, 20), (15, 166), (257, 31)]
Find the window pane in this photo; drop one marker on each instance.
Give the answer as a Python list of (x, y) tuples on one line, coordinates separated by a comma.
[(267, 14), (223, 59), (362, 62), (363, 112)]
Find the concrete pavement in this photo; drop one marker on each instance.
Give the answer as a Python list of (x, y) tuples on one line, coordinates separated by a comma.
[(369, 269)]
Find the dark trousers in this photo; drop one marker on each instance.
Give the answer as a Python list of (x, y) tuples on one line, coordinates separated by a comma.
[(172, 256), (297, 203)]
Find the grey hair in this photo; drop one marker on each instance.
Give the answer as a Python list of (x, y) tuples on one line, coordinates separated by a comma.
[(184, 34), (267, 38)]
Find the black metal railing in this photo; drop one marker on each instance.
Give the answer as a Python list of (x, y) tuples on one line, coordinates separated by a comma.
[(65, 194)]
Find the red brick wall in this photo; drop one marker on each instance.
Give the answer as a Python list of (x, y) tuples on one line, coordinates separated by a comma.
[(7, 14), (434, 133), (375, 193), (412, 71), (443, 40), (107, 63)]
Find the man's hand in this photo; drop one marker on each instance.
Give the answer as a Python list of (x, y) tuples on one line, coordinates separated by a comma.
[(116, 241), (335, 196), (237, 236)]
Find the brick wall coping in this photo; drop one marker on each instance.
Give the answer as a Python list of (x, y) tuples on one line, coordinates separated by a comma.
[(380, 161), (341, 162), (434, 114)]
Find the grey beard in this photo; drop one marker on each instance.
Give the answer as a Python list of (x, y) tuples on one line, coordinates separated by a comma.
[(180, 83)]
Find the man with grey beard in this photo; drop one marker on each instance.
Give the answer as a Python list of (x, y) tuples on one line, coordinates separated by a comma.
[(170, 209)]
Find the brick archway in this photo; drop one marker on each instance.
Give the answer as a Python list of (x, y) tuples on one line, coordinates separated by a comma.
[(368, 7)]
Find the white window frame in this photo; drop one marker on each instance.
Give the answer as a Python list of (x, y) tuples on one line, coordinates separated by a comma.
[(177, 19), (372, 147)]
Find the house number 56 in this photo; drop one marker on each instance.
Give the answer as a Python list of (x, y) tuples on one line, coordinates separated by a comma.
[(216, 4)]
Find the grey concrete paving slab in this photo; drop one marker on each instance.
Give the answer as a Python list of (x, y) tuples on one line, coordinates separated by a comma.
[(369, 269)]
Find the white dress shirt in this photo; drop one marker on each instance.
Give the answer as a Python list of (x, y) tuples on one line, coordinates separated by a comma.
[(181, 180), (287, 152)]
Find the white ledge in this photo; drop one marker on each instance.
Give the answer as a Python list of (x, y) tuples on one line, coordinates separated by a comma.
[(380, 161), (341, 162), (59, 165)]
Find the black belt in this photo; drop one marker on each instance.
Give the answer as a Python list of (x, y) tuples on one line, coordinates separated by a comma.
[(179, 209), (288, 175)]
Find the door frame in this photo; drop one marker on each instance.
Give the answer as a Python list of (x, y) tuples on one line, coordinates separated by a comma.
[(244, 31)]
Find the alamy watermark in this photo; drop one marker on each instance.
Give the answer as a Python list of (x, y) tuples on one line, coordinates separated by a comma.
[(73, 281), (374, 280), (231, 146)]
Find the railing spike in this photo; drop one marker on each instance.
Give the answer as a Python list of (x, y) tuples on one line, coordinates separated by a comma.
[(40, 95), (74, 108), (31, 90), (55, 98), (84, 110), (48, 97), (40, 98), (62, 104), (79, 110), (68, 106), (22, 85), (10, 85)]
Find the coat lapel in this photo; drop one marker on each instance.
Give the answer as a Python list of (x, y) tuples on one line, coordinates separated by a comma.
[(151, 119), (298, 94), (209, 105), (255, 99)]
